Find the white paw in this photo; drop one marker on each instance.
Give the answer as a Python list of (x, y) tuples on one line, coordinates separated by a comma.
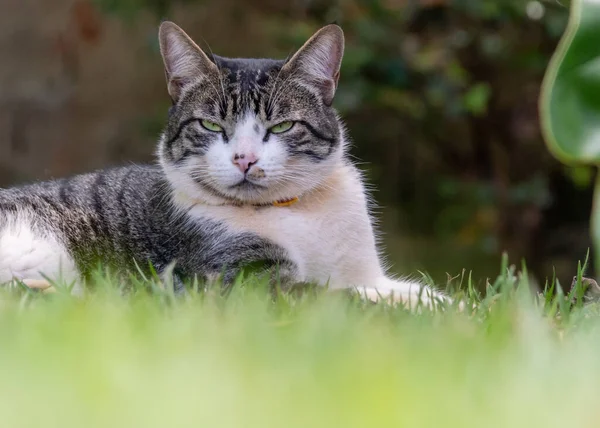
[(46, 287), (410, 294), (39, 284), (410, 299)]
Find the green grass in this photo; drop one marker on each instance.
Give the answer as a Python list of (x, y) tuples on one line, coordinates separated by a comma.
[(149, 359)]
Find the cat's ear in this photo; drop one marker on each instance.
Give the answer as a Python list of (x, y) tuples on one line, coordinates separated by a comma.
[(319, 60), (184, 61)]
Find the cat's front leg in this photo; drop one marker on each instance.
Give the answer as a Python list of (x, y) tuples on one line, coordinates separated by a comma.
[(363, 272), (358, 264)]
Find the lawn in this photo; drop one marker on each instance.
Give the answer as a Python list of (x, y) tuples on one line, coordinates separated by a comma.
[(131, 357)]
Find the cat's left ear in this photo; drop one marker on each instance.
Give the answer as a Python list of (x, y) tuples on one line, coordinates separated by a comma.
[(320, 59)]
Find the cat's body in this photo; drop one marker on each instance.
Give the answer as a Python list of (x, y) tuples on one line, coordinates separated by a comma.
[(253, 168), (123, 218)]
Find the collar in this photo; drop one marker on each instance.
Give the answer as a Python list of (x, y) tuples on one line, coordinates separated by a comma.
[(186, 201), (281, 202)]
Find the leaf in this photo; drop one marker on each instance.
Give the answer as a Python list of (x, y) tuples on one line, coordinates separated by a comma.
[(570, 101)]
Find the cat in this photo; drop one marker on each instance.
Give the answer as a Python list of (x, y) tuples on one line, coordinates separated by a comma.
[(252, 167)]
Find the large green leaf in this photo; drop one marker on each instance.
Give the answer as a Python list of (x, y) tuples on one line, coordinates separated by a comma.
[(570, 102)]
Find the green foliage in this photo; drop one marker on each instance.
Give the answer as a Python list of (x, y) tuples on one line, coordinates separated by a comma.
[(570, 102), (476, 99), (571, 95), (132, 354)]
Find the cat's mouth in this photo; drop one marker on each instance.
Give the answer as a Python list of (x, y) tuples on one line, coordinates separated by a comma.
[(246, 184)]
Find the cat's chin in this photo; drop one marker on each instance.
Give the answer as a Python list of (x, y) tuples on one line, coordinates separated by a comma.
[(252, 194), (247, 192)]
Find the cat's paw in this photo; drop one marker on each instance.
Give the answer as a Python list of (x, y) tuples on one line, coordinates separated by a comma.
[(409, 299), (411, 295), (39, 284)]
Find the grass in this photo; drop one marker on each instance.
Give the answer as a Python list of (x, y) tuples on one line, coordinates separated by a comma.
[(149, 359)]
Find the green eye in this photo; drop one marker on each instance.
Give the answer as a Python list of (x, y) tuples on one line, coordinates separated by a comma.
[(211, 126), (282, 127)]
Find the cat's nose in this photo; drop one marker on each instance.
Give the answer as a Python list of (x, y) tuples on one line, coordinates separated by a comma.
[(244, 161)]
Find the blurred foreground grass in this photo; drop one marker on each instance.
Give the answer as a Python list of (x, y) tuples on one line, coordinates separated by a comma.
[(320, 360)]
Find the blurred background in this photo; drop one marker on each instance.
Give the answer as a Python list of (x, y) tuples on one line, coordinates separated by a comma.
[(440, 98)]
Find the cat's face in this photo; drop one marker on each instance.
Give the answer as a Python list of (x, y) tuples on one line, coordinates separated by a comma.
[(251, 131)]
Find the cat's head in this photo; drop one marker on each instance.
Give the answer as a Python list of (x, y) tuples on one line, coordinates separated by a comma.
[(250, 130)]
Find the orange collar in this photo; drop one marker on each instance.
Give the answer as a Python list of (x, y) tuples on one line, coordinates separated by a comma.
[(285, 202), (279, 203)]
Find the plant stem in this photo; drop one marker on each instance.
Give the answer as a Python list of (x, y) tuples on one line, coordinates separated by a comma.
[(595, 225)]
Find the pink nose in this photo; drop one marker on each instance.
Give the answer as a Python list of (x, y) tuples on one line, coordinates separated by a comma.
[(244, 161)]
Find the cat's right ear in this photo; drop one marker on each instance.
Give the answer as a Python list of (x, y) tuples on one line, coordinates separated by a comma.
[(184, 61)]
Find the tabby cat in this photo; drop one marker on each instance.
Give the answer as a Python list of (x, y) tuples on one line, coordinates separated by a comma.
[(252, 167)]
